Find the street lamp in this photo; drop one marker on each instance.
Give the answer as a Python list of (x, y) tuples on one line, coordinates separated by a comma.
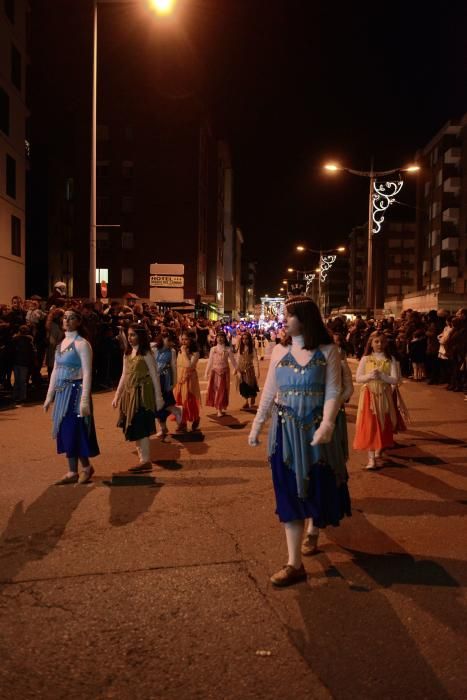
[(162, 8), (326, 261), (381, 196)]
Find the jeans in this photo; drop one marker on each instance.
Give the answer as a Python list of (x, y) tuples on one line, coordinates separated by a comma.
[(21, 383)]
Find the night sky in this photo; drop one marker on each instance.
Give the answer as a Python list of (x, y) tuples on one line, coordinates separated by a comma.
[(293, 83)]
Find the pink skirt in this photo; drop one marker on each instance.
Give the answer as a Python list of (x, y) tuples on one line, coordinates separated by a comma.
[(218, 390)]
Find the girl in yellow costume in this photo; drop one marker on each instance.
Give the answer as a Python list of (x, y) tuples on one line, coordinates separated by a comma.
[(187, 392), (378, 371)]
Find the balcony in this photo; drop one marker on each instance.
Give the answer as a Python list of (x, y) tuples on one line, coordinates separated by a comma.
[(451, 214), (452, 184), (450, 243), (451, 272), (453, 156)]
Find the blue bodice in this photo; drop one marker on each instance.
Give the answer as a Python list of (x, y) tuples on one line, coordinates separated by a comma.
[(298, 411), (163, 359), (68, 373)]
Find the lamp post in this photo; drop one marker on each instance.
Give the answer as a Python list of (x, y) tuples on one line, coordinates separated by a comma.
[(381, 195), (326, 260), (162, 8)]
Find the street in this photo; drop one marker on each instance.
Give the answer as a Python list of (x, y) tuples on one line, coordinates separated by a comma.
[(163, 591)]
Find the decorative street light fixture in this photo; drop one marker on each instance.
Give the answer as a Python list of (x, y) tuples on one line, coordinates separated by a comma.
[(382, 193), (326, 261), (162, 8)]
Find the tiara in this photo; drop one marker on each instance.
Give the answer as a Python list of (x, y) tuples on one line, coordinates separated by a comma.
[(303, 300)]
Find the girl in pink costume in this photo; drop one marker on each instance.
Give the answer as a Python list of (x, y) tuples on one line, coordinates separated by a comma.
[(218, 374)]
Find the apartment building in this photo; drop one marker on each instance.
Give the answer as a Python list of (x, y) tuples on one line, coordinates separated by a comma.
[(14, 147), (441, 238)]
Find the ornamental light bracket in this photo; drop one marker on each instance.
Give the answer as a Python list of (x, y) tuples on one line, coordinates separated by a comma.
[(325, 264), (384, 195)]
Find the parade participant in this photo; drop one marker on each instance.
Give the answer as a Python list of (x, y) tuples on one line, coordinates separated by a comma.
[(218, 374), (139, 394), (376, 415), (310, 543), (166, 366), (70, 390), (248, 370), (187, 391), (260, 342), (303, 389)]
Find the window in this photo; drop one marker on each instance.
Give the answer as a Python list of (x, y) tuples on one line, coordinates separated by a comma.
[(11, 177), (9, 6), (102, 275), (69, 187), (128, 240), (4, 112), (16, 67), (127, 205), (127, 276), (103, 241), (127, 168), (16, 236), (102, 168), (103, 132)]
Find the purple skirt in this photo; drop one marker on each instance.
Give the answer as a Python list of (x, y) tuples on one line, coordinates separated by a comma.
[(326, 502), (77, 436)]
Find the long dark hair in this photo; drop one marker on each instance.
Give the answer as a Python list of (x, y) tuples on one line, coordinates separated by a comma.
[(371, 337), (81, 329), (224, 335), (248, 344), (193, 345), (143, 339), (313, 329)]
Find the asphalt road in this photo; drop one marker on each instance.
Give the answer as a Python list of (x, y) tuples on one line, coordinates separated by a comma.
[(163, 591)]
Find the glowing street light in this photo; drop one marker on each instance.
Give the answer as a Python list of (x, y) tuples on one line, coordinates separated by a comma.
[(290, 269), (381, 196), (163, 7)]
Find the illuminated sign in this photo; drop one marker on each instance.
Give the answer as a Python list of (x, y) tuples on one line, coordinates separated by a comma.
[(166, 281)]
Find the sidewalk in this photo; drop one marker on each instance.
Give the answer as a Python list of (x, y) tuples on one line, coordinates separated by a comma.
[(164, 592)]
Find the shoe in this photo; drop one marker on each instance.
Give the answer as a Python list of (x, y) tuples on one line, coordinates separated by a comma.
[(195, 425), (371, 465), (162, 433), (181, 428), (310, 545), (143, 467), (73, 479), (288, 575), (86, 475), (245, 406)]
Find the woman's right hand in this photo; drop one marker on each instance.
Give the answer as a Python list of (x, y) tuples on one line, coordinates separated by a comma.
[(47, 403), (115, 402)]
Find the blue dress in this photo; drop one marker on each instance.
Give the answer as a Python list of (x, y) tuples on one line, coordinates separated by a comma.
[(76, 435), (163, 358), (309, 482)]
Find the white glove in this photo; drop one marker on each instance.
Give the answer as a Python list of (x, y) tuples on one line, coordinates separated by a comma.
[(47, 402), (84, 408), (253, 439), (323, 434)]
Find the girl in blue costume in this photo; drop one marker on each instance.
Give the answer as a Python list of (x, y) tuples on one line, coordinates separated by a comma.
[(166, 364), (70, 386), (303, 392)]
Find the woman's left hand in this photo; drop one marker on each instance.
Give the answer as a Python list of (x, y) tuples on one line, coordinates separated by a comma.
[(84, 409), (323, 435)]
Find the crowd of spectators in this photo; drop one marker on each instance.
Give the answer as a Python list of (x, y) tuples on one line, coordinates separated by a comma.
[(430, 347)]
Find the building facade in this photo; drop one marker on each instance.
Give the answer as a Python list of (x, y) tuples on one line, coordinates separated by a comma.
[(14, 148), (441, 238), (393, 265)]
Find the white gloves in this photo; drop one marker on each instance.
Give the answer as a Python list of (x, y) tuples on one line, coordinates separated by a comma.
[(323, 434), (84, 407), (255, 431)]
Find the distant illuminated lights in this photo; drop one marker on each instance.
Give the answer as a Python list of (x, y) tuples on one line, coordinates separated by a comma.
[(384, 195)]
